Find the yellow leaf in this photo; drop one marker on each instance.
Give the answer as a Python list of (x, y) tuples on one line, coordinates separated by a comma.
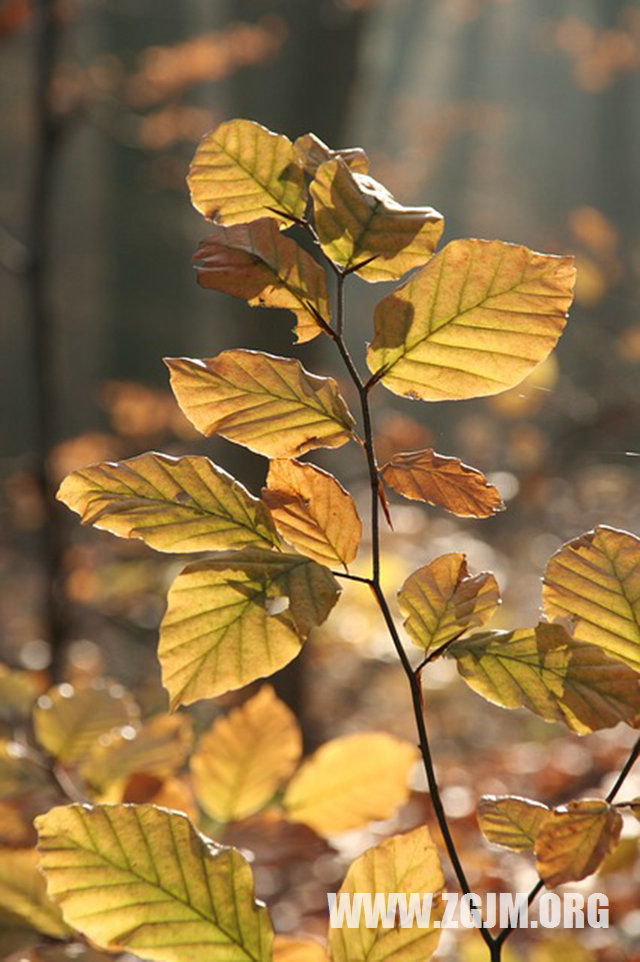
[(545, 670), (19, 773), (23, 892), (272, 405), (575, 839), (172, 504), (18, 691), (351, 781), (292, 948), (358, 220), (245, 757), (439, 480), (241, 171), (595, 580), (442, 600), (68, 719), (511, 821), (159, 747), (474, 321), (310, 152), (140, 878), (313, 512), (237, 617), (404, 865), (256, 262)]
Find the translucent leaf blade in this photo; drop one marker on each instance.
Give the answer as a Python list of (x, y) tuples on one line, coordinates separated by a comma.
[(574, 840), (473, 322), (340, 788), (442, 481), (140, 878), (510, 821), (358, 220), (310, 152), (23, 893), (259, 264), (241, 171), (240, 616), (172, 504), (313, 512), (271, 405), (245, 757)]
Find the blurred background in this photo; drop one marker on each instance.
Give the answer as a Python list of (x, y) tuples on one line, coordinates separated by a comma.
[(518, 121)]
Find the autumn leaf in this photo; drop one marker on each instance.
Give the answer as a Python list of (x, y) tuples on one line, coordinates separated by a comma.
[(241, 172), (245, 756), (313, 512), (474, 321), (23, 893), (19, 771), (404, 865), (595, 580), (574, 839), (358, 221), (69, 719), (511, 821), (172, 504), (272, 405), (257, 263), (442, 481), (238, 617), (310, 152), (141, 879), (291, 948), (442, 600), (349, 782), (18, 692), (545, 670)]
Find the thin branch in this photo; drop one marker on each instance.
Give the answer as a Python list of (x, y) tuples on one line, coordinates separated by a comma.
[(350, 577)]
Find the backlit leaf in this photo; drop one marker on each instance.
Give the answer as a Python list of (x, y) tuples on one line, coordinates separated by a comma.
[(595, 580), (474, 321), (443, 481), (442, 600), (402, 864), (545, 670), (139, 878), (511, 821), (272, 405), (313, 512), (68, 720), (241, 171), (310, 151), (237, 617), (245, 756), (293, 948), (19, 772), (575, 839), (350, 781), (159, 747), (172, 504), (357, 219), (23, 892), (258, 263)]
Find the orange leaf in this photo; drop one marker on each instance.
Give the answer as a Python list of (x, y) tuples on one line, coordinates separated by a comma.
[(574, 840)]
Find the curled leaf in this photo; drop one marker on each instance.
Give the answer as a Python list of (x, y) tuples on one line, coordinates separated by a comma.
[(310, 152)]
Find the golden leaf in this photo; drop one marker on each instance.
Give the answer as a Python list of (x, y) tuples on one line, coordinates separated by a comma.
[(23, 893), (511, 821), (574, 840), (293, 948), (310, 152)]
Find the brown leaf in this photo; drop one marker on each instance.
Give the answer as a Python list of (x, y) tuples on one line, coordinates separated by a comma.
[(440, 480), (574, 840), (310, 151)]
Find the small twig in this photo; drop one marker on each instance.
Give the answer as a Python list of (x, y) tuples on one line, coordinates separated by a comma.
[(350, 577)]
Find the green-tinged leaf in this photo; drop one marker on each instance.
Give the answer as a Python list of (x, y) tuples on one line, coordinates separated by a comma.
[(310, 152), (172, 504), (511, 821), (245, 757), (358, 220), (341, 786), (446, 482), (442, 600), (595, 580), (159, 747), (574, 839), (241, 171), (313, 512), (272, 405), (258, 263), (405, 865), (18, 691), (545, 670), (140, 878), (19, 772), (68, 720), (237, 617), (23, 892), (474, 321)]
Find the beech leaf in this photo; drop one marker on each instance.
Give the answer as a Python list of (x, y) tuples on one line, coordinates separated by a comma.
[(358, 220), (310, 152), (23, 893), (474, 321), (574, 840), (511, 821), (271, 405)]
